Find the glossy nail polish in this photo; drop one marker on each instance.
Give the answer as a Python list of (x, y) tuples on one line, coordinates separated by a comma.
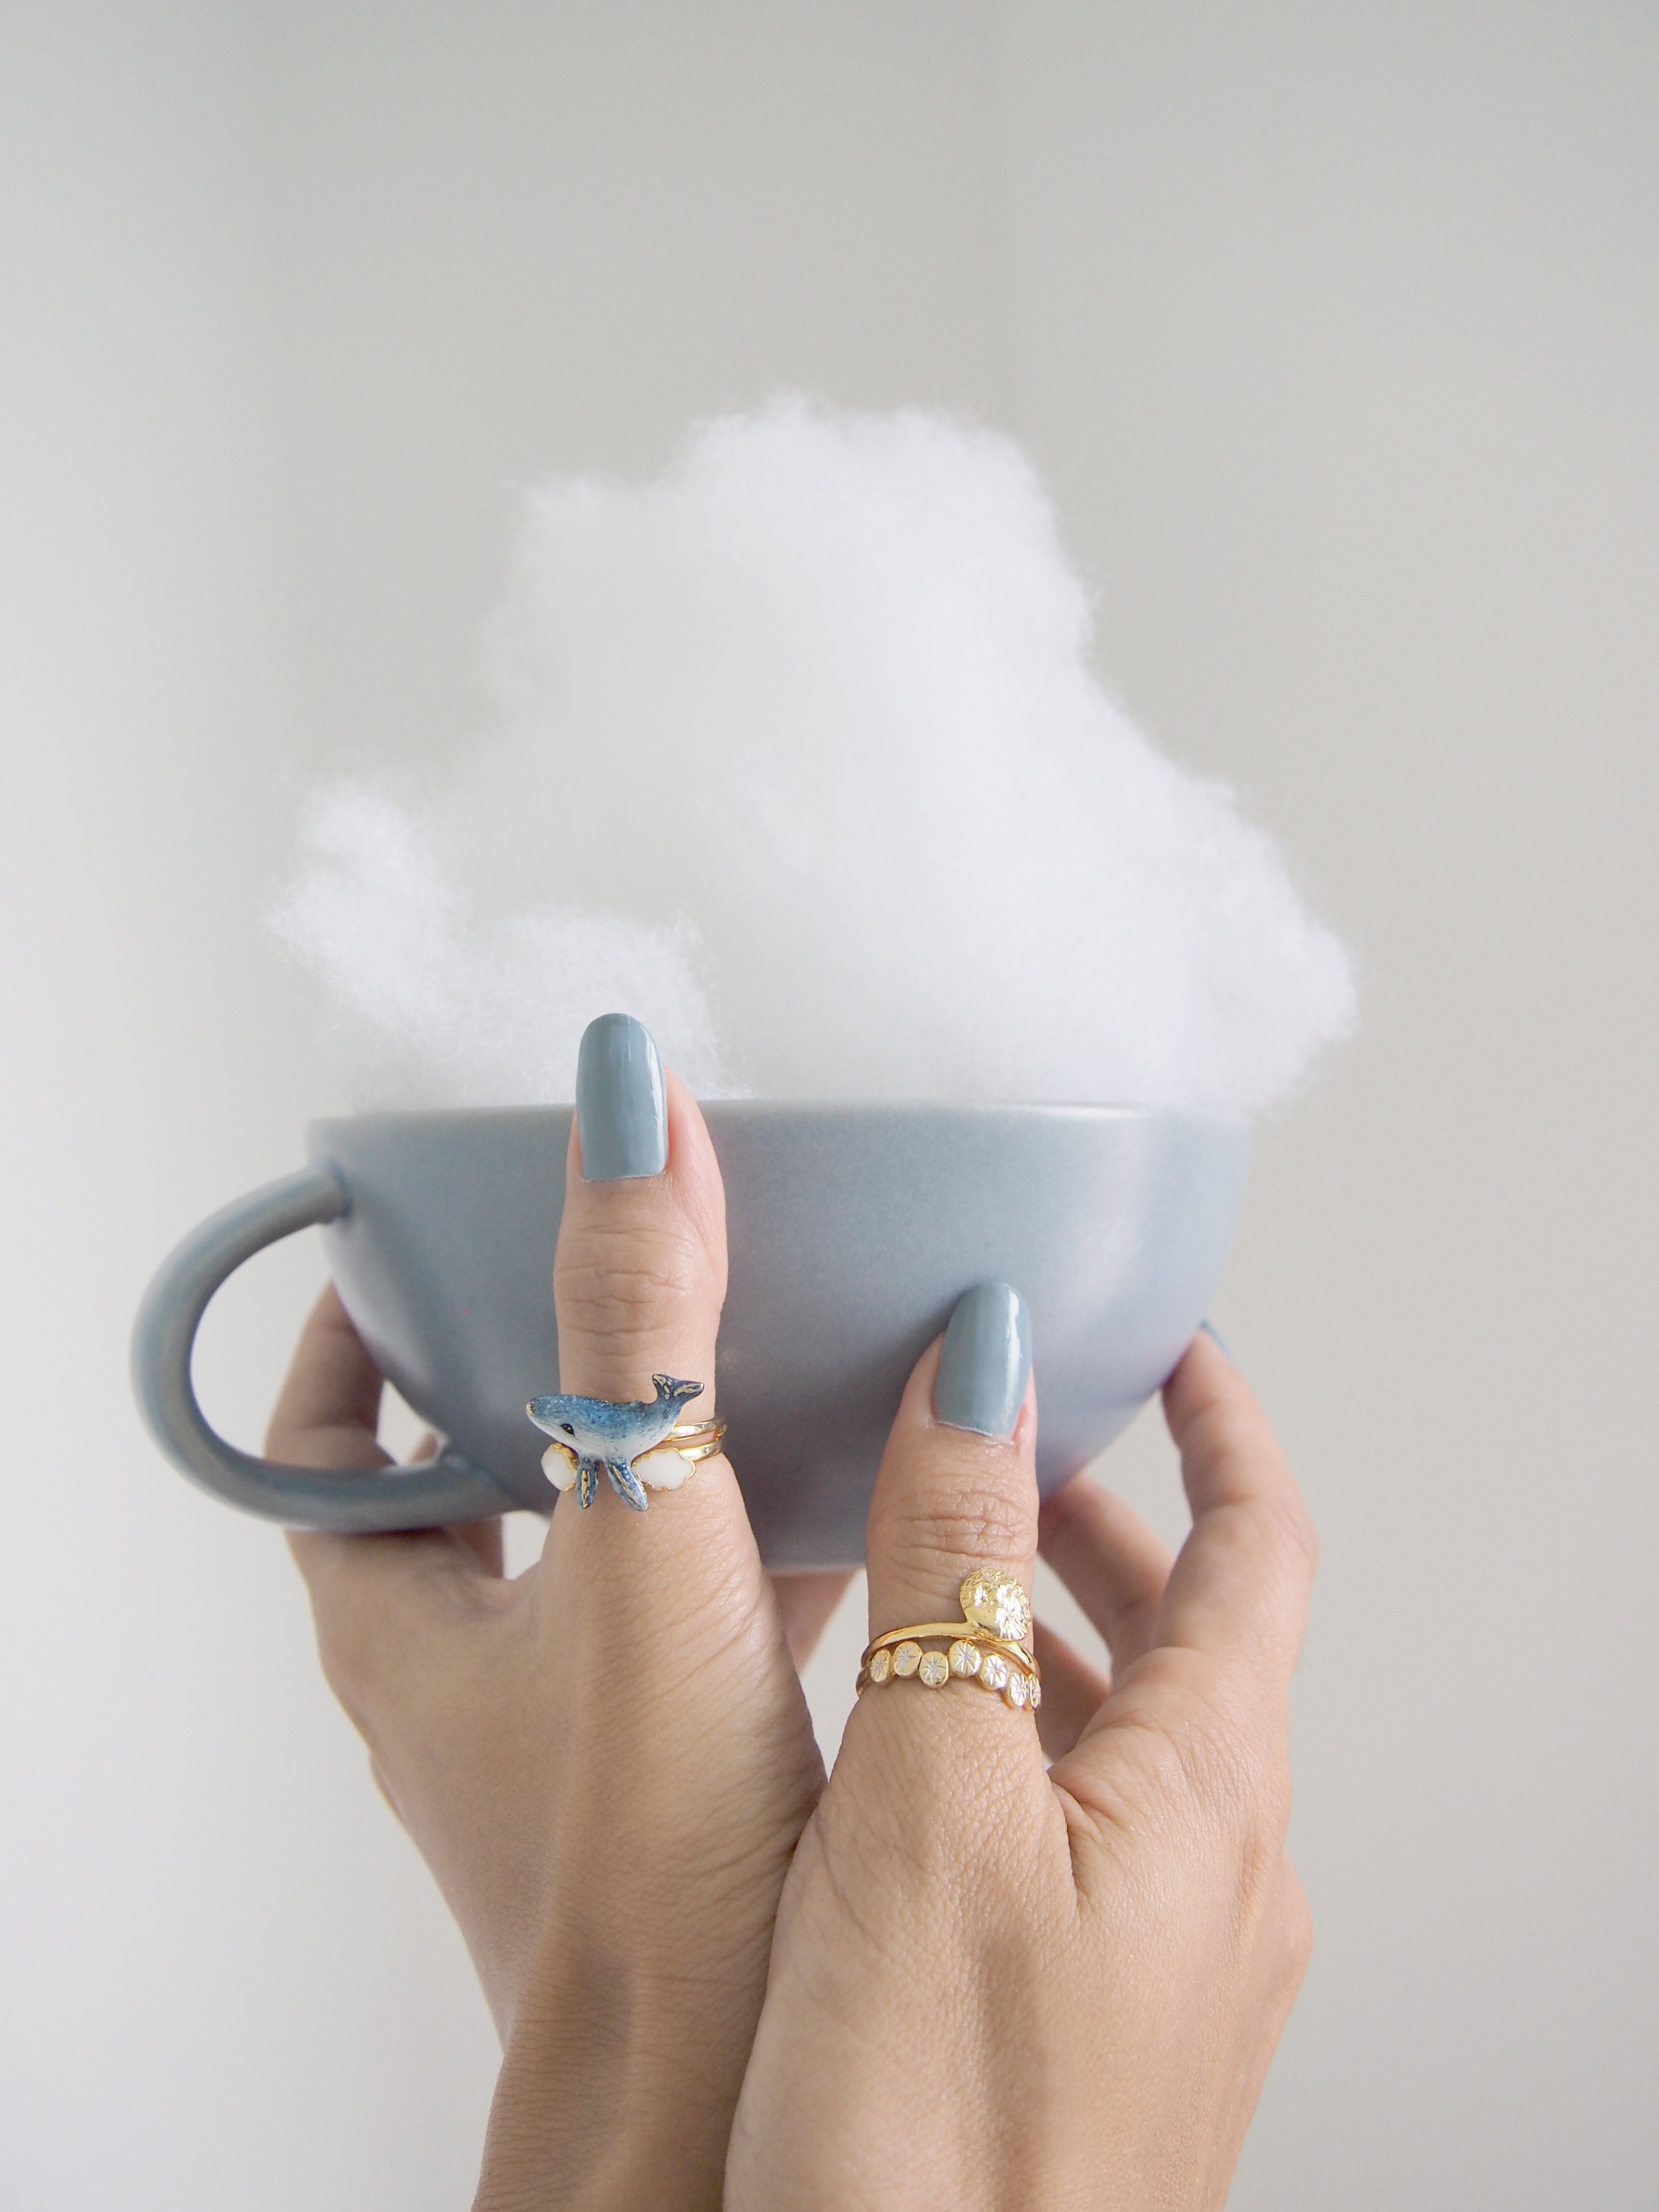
[(1215, 1335), (622, 1106), (986, 1362)]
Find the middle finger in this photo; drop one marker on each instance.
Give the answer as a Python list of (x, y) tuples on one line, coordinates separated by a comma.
[(1111, 1562)]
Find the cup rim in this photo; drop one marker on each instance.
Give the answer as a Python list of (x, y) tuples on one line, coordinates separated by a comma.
[(1228, 1117)]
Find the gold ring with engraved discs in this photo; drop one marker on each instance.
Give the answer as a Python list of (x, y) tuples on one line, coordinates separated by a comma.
[(987, 1646)]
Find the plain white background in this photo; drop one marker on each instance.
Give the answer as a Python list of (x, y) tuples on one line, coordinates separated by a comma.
[(1336, 333)]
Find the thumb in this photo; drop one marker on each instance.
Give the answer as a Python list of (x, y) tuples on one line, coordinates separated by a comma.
[(957, 1496), (639, 1281)]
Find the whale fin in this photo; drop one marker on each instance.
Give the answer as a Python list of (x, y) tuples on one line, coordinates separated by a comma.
[(627, 1485)]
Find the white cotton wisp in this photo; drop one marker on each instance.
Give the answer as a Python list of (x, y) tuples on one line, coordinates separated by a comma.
[(802, 762)]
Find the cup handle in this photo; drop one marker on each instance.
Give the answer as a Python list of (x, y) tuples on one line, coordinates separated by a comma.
[(422, 1496)]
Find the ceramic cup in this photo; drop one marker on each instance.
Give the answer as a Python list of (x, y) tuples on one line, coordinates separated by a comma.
[(854, 1230)]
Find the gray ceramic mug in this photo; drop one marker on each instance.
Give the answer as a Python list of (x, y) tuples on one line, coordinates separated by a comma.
[(854, 1230)]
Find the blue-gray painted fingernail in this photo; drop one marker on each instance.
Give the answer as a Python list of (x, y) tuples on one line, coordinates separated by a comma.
[(622, 1107), (986, 1363), (1211, 1331)]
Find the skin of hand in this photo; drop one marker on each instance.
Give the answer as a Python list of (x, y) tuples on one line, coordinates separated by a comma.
[(998, 1983), (606, 1762)]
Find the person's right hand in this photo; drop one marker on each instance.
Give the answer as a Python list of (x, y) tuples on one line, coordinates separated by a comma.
[(605, 1762), (999, 1984)]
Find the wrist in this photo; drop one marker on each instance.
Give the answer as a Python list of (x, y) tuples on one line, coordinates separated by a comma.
[(615, 2160), (607, 2108)]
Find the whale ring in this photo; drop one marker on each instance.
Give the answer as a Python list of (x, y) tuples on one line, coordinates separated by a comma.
[(637, 1442)]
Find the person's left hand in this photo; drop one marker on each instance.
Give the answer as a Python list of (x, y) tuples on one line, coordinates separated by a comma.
[(999, 1981), (607, 1761)]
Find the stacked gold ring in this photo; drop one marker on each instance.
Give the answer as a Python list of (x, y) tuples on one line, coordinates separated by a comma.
[(987, 1646), (696, 1440)]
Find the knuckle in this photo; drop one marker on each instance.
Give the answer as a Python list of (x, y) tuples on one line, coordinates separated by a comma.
[(1224, 1767), (625, 1284), (969, 1520), (1152, 1778), (1241, 1770), (1232, 1759), (1261, 1860)]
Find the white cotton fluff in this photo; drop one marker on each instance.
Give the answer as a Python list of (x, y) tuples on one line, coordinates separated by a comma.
[(801, 760)]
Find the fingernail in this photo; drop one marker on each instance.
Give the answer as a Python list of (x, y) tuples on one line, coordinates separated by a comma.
[(986, 1362), (622, 1108), (1215, 1335)]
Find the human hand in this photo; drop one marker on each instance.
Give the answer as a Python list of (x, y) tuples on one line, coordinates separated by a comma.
[(606, 1761), (995, 1984)]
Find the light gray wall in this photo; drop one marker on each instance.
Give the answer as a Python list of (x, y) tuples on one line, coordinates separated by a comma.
[(1335, 332)]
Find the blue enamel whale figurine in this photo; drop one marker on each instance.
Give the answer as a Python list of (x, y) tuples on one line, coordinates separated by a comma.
[(601, 1438)]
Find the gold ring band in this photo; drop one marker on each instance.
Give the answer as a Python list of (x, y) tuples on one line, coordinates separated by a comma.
[(701, 1439), (947, 1628)]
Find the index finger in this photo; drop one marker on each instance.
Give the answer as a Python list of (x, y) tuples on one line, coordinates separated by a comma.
[(1239, 1588), (330, 1406), (326, 1416)]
